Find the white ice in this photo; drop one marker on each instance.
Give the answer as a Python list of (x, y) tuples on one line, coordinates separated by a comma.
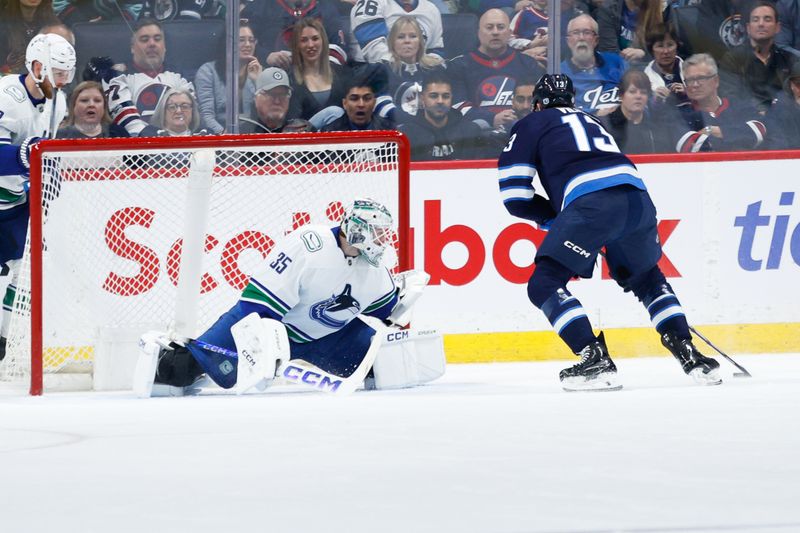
[(495, 448)]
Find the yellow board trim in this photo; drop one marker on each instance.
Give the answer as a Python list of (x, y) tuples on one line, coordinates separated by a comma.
[(623, 342)]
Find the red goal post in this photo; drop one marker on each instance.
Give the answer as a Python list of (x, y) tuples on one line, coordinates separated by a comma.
[(116, 240)]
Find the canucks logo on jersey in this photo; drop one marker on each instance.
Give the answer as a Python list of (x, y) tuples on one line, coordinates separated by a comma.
[(338, 303)]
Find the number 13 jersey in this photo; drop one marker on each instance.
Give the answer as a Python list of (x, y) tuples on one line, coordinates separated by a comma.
[(571, 152)]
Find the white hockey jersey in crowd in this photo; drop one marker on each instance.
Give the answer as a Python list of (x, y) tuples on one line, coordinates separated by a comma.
[(371, 20), (21, 116), (133, 97), (308, 282)]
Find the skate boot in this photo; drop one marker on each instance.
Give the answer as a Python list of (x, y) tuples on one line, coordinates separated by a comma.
[(595, 371), (704, 370), (165, 368), (2, 348)]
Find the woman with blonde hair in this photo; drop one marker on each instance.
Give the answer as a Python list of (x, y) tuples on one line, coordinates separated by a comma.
[(317, 83), (409, 64), (88, 113)]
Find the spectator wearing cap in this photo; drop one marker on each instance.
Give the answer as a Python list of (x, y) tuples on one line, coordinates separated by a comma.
[(784, 116), (758, 68), (271, 105), (359, 109)]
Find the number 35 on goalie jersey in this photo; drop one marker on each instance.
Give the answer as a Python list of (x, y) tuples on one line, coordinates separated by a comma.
[(307, 283), (571, 152)]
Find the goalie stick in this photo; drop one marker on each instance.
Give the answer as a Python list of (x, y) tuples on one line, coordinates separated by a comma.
[(301, 372)]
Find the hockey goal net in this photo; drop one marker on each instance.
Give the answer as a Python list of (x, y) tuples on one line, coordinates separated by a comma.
[(128, 235)]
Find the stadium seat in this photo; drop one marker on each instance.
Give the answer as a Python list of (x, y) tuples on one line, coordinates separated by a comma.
[(685, 19), (189, 43), (460, 33)]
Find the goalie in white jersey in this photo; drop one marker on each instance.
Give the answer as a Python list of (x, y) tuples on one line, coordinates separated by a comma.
[(26, 114), (298, 318)]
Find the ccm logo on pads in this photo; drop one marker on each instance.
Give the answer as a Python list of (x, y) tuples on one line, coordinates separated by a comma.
[(577, 249)]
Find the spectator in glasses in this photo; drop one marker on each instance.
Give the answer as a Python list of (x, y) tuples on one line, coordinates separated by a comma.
[(596, 75), (176, 114)]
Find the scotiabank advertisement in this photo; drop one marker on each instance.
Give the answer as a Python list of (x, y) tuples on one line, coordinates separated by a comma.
[(730, 231)]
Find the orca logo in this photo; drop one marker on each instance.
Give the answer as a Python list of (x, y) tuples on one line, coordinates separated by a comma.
[(338, 303)]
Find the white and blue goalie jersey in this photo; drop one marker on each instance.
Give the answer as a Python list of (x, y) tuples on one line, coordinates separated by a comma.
[(571, 152), (307, 283)]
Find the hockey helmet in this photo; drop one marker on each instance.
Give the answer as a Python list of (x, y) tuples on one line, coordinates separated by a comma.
[(53, 52), (367, 225), (554, 90)]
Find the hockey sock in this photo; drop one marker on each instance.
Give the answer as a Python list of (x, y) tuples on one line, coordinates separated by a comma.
[(569, 320), (666, 313)]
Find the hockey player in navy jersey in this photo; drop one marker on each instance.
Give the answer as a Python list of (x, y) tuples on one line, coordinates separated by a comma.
[(300, 318), (26, 107), (595, 199)]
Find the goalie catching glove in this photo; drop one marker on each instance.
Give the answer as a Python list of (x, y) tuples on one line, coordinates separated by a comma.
[(410, 285)]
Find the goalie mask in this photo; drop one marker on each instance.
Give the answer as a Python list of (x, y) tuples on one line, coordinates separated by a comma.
[(367, 226), (55, 54)]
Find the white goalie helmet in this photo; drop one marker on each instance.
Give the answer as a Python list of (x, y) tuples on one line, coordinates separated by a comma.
[(368, 226), (54, 53)]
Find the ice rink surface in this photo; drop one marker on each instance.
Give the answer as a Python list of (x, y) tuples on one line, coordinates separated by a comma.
[(495, 448)]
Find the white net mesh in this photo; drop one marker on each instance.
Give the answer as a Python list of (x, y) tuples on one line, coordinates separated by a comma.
[(114, 224)]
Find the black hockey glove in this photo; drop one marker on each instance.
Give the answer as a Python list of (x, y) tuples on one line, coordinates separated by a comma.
[(100, 68)]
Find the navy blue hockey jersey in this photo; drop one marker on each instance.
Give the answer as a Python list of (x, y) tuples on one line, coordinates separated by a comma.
[(572, 154)]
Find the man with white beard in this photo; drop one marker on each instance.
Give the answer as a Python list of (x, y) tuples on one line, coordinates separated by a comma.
[(596, 75)]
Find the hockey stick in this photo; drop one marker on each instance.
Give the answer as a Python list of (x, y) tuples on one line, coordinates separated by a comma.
[(53, 126), (743, 374), (301, 372)]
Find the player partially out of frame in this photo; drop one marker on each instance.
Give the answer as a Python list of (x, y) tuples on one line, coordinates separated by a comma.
[(31, 107), (595, 199), (314, 313)]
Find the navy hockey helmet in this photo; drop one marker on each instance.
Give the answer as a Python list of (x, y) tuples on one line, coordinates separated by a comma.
[(554, 90)]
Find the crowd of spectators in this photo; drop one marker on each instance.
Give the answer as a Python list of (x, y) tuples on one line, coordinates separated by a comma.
[(728, 79)]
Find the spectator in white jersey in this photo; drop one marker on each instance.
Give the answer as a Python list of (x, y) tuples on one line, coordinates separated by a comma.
[(134, 94)]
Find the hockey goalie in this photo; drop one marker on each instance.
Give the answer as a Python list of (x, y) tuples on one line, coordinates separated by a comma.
[(321, 311)]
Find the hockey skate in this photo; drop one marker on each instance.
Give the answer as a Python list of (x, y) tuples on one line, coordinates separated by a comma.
[(166, 368), (704, 370), (595, 371)]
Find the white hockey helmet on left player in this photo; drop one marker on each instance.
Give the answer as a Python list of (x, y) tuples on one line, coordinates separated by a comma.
[(368, 226), (55, 54)]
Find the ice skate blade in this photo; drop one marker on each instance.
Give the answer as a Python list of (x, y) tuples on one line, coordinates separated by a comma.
[(702, 378), (601, 383)]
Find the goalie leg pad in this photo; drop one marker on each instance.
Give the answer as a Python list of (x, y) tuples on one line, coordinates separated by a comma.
[(336, 363), (408, 358), (262, 345)]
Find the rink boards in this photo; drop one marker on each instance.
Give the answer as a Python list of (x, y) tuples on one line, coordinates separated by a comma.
[(730, 229)]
